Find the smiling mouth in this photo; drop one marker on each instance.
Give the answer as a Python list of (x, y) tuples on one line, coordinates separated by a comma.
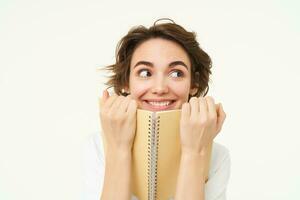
[(159, 105)]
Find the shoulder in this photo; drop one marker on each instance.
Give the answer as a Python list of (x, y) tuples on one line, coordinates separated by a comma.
[(220, 154), (93, 145), (93, 167), (219, 173), (220, 158)]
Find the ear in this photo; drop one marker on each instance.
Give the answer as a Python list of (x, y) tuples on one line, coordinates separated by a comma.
[(125, 89), (193, 91), (194, 85)]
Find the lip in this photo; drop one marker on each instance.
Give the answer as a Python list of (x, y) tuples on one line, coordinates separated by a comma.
[(151, 107)]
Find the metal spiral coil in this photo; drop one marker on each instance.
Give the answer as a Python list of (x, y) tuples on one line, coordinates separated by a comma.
[(153, 141)]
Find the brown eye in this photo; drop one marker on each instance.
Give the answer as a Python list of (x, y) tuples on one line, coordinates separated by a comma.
[(176, 73), (144, 73)]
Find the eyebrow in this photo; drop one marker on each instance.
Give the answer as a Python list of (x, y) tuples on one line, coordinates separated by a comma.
[(172, 64)]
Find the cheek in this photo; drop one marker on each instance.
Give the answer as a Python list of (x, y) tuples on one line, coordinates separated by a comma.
[(181, 90), (138, 88)]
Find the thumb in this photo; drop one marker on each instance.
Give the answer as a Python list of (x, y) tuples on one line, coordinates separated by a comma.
[(105, 96), (221, 117), (218, 108)]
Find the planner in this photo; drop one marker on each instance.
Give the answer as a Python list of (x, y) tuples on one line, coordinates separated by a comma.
[(156, 155)]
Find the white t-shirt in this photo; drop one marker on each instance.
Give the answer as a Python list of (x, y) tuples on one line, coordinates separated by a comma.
[(94, 169)]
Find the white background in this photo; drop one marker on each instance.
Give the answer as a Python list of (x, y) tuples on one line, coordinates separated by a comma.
[(49, 52)]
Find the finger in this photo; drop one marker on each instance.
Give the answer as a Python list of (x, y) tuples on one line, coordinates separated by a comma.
[(110, 101), (124, 105), (185, 111), (105, 96), (115, 107), (203, 109), (221, 117), (194, 105), (211, 107), (129, 98), (217, 108), (132, 109)]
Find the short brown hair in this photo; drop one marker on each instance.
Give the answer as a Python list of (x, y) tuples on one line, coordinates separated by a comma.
[(200, 61)]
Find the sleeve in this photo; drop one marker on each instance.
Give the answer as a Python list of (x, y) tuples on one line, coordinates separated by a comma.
[(93, 160), (93, 169), (215, 188)]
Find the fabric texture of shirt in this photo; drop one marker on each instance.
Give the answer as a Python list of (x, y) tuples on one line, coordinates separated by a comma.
[(94, 170)]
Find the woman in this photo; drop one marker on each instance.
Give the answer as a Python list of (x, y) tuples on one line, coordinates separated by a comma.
[(160, 68)]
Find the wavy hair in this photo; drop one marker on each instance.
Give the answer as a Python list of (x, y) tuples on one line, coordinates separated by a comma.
[(200, 61)]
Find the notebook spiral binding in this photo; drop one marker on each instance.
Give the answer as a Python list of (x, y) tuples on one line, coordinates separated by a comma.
[(153, 140)]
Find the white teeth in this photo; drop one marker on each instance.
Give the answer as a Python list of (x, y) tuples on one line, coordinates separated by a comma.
[(161, 103)]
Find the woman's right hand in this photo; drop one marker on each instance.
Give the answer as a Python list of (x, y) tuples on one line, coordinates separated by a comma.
[(118, 121)]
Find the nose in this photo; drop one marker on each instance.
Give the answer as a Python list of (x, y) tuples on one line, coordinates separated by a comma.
[(159, 85)]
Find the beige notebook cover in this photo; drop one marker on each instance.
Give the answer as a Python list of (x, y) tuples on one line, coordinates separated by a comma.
[(156, 155)]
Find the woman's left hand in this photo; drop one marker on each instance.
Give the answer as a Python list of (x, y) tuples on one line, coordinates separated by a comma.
[(201, 120)]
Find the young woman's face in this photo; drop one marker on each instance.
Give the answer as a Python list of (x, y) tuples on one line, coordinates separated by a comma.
[(160, 75)]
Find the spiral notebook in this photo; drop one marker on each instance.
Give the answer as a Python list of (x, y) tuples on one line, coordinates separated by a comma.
[(156, 155)]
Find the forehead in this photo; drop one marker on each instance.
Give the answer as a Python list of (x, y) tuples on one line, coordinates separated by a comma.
[(160, 52)]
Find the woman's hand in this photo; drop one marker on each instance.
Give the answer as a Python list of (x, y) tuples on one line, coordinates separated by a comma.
[(201, 120), (118, 120)]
